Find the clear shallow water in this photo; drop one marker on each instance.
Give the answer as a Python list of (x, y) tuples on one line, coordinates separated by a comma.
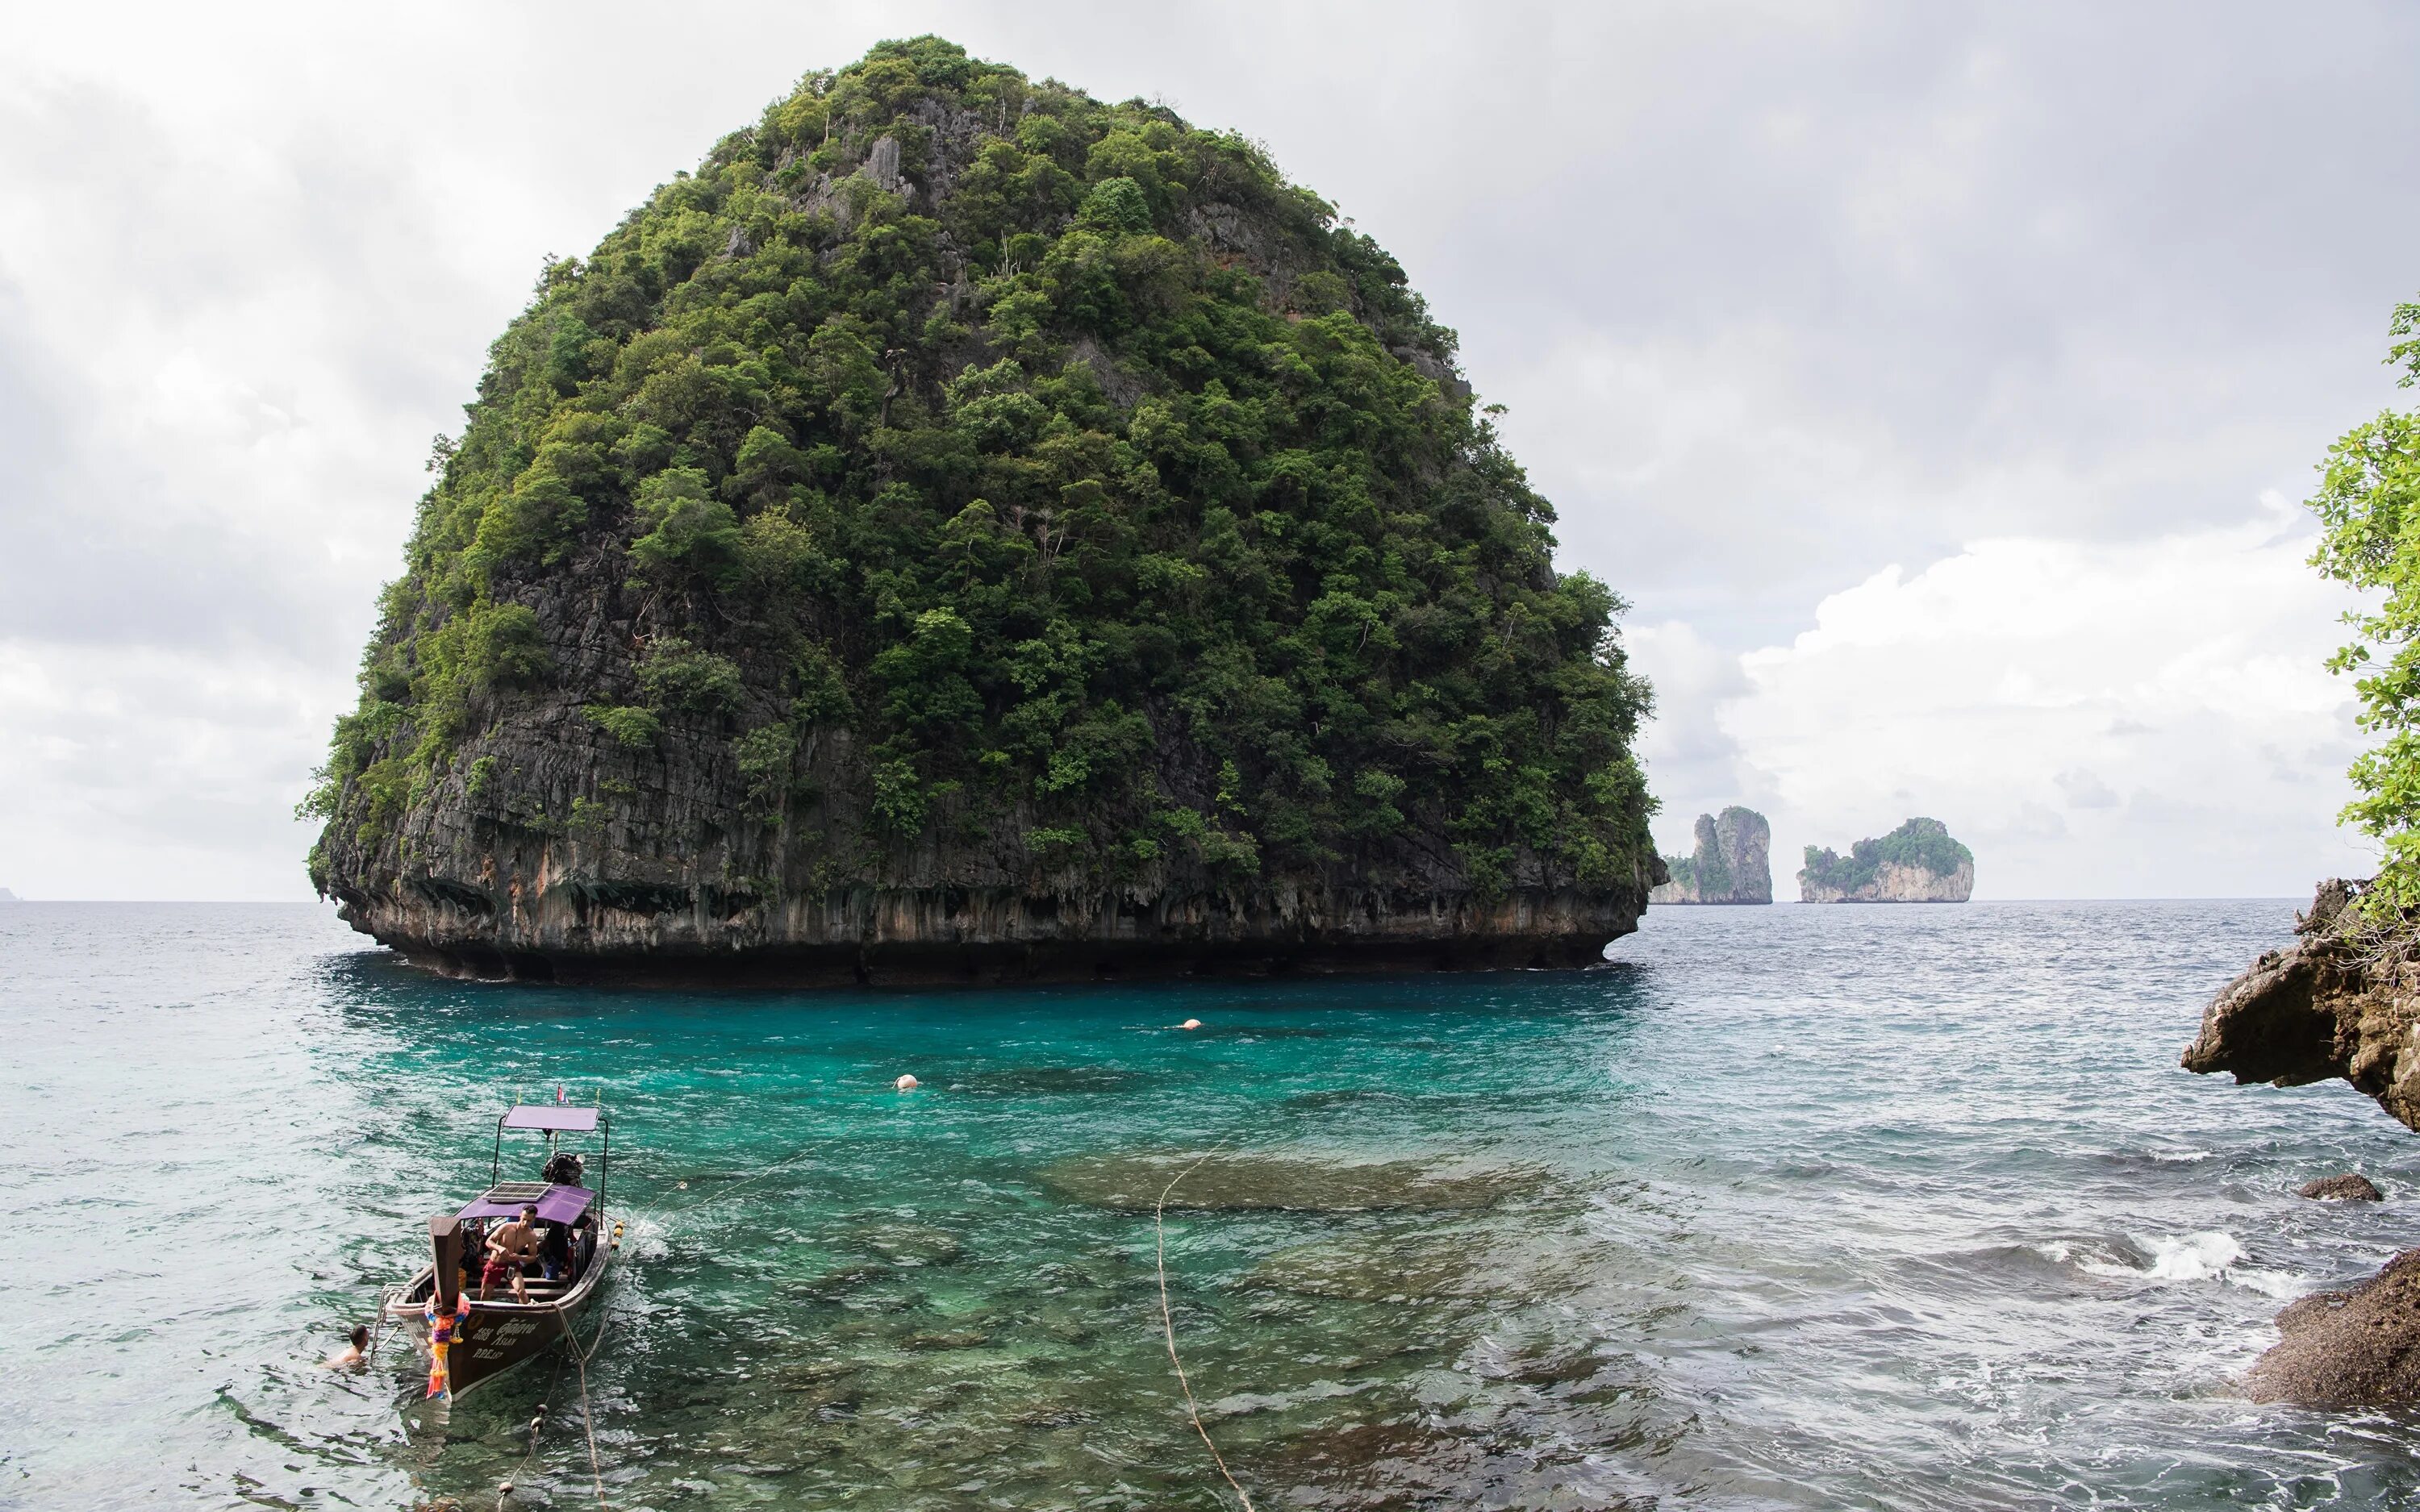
[(1787, 1208)]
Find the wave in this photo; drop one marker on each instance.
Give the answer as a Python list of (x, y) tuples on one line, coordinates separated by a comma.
[(2207, 1255)]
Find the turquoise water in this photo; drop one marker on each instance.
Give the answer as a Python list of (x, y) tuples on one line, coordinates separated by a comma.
[(1784, 1207)]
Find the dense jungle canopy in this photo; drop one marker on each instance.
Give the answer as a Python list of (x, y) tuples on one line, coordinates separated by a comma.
[(1080, 476)]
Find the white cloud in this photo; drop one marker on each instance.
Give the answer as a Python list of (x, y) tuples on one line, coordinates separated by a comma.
[(150, 772), (2096, 719), (1693, 765)]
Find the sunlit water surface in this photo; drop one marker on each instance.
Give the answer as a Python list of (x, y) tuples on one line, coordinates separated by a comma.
[(1784, 1207)]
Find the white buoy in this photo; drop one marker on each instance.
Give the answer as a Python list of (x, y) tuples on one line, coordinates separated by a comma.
[(1190, 1024), (905, 1083)]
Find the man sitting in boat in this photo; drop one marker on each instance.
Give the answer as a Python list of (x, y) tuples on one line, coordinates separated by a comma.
[(510, 1251)]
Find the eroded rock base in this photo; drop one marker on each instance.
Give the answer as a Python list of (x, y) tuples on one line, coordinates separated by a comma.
[(920, 965)]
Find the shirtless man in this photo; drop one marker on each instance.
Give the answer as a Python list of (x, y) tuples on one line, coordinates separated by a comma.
[(352, 1356), (508, 1249)]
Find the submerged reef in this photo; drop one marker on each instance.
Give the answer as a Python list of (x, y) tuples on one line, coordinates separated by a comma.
[(1732, 863), (2342, 1001), (969, 529), (1916, 863)]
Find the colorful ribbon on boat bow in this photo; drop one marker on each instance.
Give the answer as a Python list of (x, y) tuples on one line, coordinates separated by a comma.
[(441, 1340)]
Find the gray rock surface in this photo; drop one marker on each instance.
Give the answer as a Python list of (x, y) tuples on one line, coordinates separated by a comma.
[(1733, 862), (1895, 883), (882, 164)]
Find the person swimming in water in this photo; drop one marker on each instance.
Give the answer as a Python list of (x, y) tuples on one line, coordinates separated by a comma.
[(355, 1350)]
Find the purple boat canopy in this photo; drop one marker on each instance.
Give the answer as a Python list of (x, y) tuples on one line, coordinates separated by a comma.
[(551, 1118), (555, 1205)]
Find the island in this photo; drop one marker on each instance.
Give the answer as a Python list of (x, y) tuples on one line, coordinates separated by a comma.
[(1916, 863), (1732, 863), (965, 529)]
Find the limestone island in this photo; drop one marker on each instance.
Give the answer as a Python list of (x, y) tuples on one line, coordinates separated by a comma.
[(1916, 863), (1732, 864), (966, 530)]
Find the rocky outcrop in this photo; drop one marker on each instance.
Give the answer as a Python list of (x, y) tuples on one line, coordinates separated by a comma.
[(2347, 1349), (2333, 1004), (1916, 863), (2343, 1000), (2349, 1187), (511, 868), (1732, 863), (898, 554)]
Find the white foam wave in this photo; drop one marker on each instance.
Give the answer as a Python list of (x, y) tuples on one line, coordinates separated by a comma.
[(2208, 1255)]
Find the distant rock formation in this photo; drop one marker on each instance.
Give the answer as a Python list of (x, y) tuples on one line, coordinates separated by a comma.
[(7, 897), (1733, 863), (1916, 863)]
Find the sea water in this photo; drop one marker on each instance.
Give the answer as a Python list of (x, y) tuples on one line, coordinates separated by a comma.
[(1785, 1207)]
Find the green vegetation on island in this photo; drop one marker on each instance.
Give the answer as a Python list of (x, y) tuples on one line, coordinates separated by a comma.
[(1076, 476), (1919, 847)]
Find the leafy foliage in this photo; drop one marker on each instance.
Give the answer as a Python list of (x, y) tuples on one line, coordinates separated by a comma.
[(1923, 844), (2369, 504), (629, 725), (1093, 440)]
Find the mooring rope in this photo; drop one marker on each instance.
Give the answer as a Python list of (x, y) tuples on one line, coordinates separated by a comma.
[(580, 1357), (537, 1423), (378, 1326), (1168, 1321), (587, 1412)]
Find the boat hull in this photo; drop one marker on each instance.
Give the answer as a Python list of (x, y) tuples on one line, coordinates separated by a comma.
[(500, 1334)]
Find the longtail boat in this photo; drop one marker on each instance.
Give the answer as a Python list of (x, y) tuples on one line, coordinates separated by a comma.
[(474, 1334)]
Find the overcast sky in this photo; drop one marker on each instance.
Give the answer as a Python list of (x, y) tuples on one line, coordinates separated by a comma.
[(1940, 383)]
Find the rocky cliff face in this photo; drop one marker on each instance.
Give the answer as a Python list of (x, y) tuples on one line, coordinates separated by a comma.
[(1895, 883), (970, 530), (2339, 1002), (1733, 862), (1916, 863), (2342, 1001)]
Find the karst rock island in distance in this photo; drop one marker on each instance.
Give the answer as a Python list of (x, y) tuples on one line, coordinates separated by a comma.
[(1731, 864), (966, 530), (1916, 863)]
